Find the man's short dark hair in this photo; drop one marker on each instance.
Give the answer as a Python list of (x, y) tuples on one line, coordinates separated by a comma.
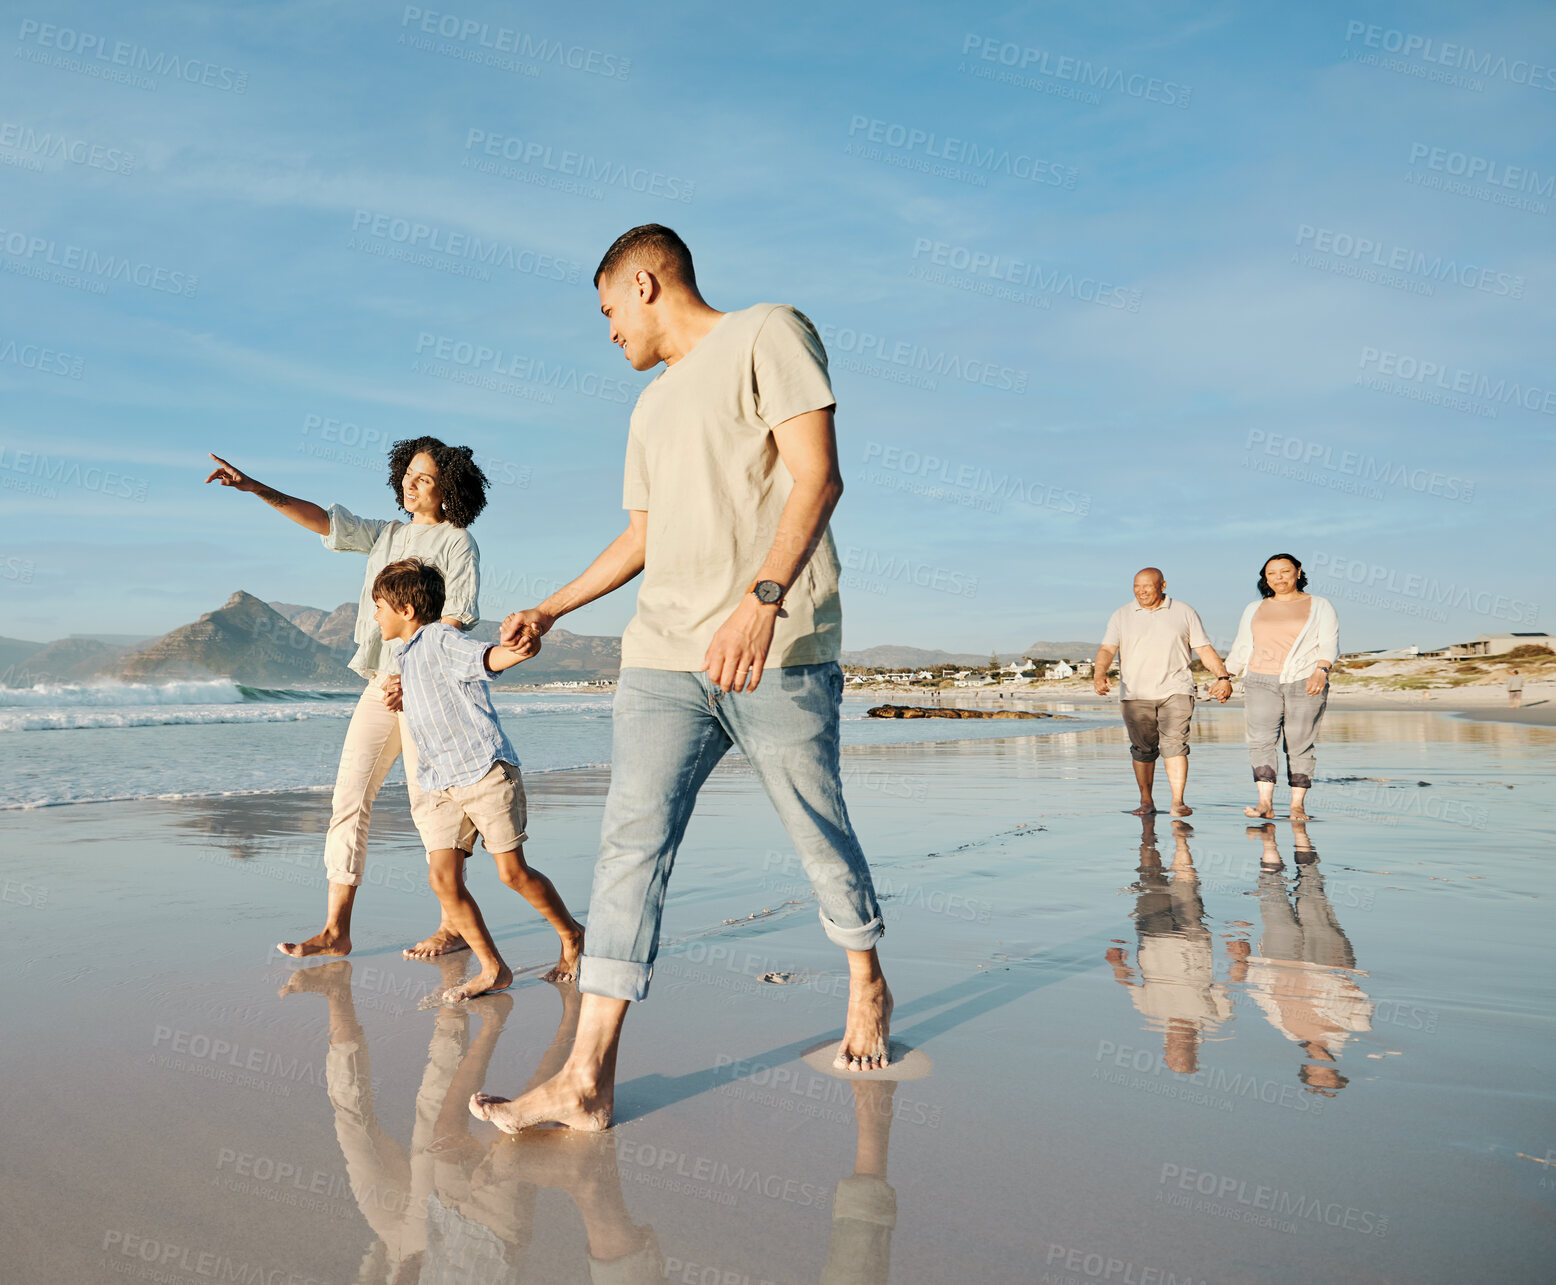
[(412, 583), (652, 246)]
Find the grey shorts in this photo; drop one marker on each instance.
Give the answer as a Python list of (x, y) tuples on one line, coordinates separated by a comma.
[(1159, 728)]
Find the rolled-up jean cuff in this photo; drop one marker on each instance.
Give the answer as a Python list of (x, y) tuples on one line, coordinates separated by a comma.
[(861, 938), (613, 978)]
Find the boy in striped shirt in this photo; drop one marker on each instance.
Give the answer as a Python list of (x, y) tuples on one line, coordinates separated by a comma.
[(465, 765)]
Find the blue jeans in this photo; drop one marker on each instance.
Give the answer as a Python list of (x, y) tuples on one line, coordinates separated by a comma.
[(669, 730)]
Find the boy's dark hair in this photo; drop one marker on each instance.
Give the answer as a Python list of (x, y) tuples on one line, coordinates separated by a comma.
[(652, 246), (1264, 585), (412, 583), (459, 477)]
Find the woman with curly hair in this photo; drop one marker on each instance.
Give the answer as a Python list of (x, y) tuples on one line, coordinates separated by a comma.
[(1287, 642), (442, 490)]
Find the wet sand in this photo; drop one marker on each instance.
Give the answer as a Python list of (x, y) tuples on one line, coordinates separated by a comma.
[(1150, 1052)]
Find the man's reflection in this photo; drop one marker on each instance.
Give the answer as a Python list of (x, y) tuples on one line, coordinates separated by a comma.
[(1175, 959), (1304, 976), (454, 1209)]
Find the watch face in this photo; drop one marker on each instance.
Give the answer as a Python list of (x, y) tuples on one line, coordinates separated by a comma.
[(768, 591)]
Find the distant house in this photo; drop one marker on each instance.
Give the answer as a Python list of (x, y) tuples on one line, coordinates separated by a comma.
[(1491, 645), (1399, 653), (1061, 670), (924, 675)]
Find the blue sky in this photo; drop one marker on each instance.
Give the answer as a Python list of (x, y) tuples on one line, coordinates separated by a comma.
[(1103, 286)]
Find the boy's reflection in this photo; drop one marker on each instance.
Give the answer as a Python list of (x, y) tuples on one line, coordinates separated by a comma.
[(452, 1209), (1175, 959), (1304, 976)]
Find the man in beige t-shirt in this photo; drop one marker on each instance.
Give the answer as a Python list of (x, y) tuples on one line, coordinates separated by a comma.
[(731, 477)]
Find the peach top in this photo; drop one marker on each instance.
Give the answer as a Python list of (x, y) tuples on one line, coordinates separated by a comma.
[(1275, 629)]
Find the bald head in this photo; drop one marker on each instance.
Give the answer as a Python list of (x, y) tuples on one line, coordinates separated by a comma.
[(1149, 583)]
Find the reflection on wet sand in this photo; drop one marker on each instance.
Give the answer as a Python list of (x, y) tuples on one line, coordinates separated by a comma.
[(1304, 976), (1173, 982), (453, 1208)]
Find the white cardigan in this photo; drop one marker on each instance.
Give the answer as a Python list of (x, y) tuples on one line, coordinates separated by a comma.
[(1318, 641)]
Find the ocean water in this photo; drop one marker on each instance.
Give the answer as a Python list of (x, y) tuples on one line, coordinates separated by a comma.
[(80, 743)]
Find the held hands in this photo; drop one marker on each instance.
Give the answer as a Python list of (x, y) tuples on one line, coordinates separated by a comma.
[(394, 694), (1222, 699), (739, 650), (229, 476), (1317, 681), (529, 625)]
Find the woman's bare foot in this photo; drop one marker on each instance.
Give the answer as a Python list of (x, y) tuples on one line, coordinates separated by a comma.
[(566, 969), (488, 979), (867, 1031), (1182, 810), (443, 942), (567, 1098), (324, 942)]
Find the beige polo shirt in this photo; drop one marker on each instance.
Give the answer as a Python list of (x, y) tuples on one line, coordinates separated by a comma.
[(702, 462), (1153, 649)]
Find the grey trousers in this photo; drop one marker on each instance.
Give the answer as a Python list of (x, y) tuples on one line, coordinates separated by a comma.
[(1273, 709)]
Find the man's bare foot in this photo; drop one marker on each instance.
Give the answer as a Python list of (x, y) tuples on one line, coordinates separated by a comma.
[(488, 979), (567, 1098), (1265, 811), (566, 969), (1182, 810), (867, 1031), (1299, 813), (1146, 809), (324, 942), (443, 942)]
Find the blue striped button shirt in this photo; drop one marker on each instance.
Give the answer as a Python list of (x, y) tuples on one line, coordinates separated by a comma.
[(448, 704)]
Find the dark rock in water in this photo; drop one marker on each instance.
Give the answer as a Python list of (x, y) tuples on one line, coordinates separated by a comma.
[(950, 711)]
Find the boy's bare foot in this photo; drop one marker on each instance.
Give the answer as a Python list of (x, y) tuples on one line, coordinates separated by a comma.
[(567, 1098), (867, 1031), (1144, 810), (566, 969), (488, 979), (324, 942), (443, 942)]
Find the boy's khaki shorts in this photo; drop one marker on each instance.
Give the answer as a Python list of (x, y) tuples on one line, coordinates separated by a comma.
[(495, 805)]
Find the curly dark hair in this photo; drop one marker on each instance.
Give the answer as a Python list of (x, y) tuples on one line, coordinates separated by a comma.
[(459, 477), (1264, 585)]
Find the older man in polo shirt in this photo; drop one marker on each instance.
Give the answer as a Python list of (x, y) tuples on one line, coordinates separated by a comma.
[(731, 478), (1152, 638)]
